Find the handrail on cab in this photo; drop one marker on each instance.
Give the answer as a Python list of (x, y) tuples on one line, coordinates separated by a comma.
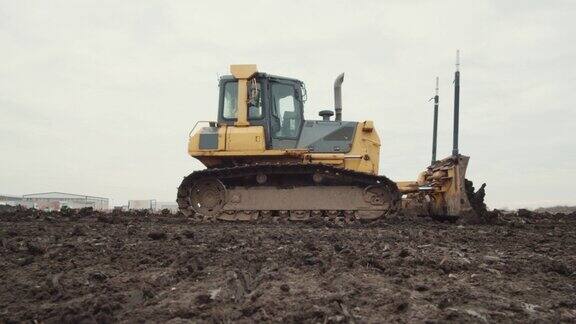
[(210, 123)]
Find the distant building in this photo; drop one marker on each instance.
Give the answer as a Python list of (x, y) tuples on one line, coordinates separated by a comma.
[(6, 198), (57, 200), (10, 200), (149, 204)]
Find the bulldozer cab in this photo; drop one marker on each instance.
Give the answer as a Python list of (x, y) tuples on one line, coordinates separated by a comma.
[(262, 112), (275, 103), (261, 117)]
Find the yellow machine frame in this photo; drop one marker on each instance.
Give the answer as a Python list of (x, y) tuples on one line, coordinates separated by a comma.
[(244, 140)]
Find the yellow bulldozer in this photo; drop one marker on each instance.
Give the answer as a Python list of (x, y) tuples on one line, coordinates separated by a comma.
[(264, 160)]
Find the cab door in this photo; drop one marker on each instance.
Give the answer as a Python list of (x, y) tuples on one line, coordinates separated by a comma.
[(286, 114)]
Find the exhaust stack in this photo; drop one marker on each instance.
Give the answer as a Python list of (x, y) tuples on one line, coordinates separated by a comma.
[(338, 96), (456, 105)]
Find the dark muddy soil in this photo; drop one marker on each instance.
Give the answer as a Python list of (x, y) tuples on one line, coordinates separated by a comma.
[(137, 268)]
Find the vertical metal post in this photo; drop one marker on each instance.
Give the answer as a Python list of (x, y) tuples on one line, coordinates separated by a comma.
[(456, 105), (435, 132)]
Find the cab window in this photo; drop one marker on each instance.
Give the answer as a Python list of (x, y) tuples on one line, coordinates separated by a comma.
[(230, 98), (254, 100), (286, 111), (229, 110)]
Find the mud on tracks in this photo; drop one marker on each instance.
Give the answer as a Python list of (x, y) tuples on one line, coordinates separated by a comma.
[(95, 267)]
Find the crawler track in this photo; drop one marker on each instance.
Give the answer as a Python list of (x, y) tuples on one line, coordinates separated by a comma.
[(282, 192)]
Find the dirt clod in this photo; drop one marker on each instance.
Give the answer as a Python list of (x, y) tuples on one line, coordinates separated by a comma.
[(78, 231), (203, 299), (525, 213), (188, 234), (34, 248), (157, 235), (97, 275), (285, 287)]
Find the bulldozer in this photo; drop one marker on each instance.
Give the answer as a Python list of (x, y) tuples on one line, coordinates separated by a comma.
[(264, 160)]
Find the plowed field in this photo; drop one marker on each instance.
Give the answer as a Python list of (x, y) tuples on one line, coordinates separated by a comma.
[(136, 268)]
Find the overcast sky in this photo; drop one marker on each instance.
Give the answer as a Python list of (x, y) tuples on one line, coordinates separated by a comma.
[(98, 97)]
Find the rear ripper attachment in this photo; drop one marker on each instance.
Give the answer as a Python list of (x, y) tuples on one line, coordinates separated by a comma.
[(442, 190)]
